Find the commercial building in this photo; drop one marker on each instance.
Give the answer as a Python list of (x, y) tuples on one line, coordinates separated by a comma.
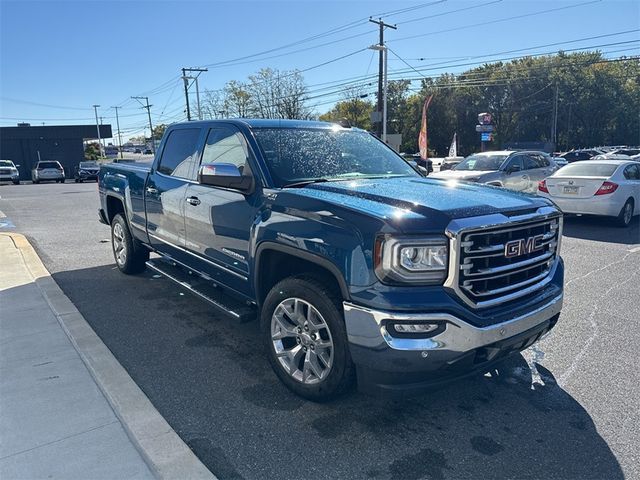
[(26, 144)]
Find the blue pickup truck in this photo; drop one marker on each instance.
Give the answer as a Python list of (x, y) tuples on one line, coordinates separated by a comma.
[(357, 267)]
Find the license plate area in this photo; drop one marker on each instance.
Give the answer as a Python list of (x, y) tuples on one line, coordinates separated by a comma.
[(570, 190)]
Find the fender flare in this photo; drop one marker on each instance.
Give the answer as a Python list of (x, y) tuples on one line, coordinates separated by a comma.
[(304, 255)]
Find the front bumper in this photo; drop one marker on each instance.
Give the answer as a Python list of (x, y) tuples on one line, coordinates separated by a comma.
[(8, 177), (389, 363)]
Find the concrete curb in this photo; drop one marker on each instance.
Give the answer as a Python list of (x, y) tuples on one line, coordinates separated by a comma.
[(164, 451)]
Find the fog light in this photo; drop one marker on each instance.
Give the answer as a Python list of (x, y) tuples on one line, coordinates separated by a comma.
[(414, 327)]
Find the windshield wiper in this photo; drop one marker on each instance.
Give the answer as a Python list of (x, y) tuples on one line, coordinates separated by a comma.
[(304, 183)]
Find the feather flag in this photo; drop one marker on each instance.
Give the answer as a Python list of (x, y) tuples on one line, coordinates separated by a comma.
[(422, 137), (453, 149)]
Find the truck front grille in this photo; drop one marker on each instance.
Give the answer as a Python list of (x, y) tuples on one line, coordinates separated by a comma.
[(501, 263)]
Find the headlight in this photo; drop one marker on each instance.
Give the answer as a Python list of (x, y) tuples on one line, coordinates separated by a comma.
[(412, 260)]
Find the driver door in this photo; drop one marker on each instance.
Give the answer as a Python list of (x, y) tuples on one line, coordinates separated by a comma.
[(219, 220)]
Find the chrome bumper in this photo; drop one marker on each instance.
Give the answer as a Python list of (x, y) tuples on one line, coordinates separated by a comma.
[(367, 328)]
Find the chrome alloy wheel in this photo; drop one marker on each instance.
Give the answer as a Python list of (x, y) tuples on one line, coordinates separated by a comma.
[(119, 245), (302, 341), (627, 214)]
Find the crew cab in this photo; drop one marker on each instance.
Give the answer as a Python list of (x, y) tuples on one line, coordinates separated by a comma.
[(357, 267)]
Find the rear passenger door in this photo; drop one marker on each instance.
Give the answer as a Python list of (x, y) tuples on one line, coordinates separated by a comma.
[(538, 168), (631, 174), (166, 189)]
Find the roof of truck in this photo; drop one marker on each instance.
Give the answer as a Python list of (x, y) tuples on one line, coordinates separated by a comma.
[(271, 123)]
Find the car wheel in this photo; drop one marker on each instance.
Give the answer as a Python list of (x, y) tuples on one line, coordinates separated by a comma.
[(76, 180), (62, 181), (130, 256), (36, 181), (16, 182), (305, 335), (626, 214)]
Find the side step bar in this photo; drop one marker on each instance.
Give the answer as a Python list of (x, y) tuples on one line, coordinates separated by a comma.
[(204, 289)]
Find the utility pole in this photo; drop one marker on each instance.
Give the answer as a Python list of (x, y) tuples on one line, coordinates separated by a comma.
[(119, 136), (382, 53), (95, 109), (186, 88), (148, 107), (554, 125)]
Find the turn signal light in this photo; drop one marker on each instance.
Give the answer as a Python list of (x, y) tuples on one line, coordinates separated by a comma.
[(414, 327), (542, 186), (607, 187)]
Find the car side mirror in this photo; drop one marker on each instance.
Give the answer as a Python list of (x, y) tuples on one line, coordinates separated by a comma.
[(513, 168), (226, 175)]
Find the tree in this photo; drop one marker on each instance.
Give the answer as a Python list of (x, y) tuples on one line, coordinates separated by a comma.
[(158, 131), (353, 109), (275, 94), (92, 151)]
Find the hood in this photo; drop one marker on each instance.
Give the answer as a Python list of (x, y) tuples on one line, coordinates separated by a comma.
[(462, 174), (412, 204)]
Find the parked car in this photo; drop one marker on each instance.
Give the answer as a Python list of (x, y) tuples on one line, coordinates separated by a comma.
[(148, 151), (578, 155), (47, 171), (86, 171), (598, 187), (137, 150), (449, 162), (355, 265), (515, 170), (9, 172)]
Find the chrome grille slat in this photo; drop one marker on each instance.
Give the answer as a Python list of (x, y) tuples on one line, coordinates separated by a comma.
[(515, 286), (487, 276)]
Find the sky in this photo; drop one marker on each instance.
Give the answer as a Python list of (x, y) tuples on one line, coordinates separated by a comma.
[(57, 59)]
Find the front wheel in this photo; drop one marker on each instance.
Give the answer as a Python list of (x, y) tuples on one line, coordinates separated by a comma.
[(305, 335), (16, 182), (130, 256)]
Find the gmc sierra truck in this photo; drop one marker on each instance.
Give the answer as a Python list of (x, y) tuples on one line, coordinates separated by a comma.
[(357, 267)]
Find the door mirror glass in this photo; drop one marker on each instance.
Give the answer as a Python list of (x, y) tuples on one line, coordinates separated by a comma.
[(225, 175)]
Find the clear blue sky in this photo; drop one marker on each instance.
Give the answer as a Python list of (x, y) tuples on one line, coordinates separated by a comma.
[(75, 54)]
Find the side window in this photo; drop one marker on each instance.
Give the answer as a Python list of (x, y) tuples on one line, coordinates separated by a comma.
[(543, 161), (632, 172), (515, 164), (225, 145), (530, 162), (179, 154)]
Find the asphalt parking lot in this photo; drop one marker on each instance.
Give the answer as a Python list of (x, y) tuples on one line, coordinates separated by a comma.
[(566, 408)]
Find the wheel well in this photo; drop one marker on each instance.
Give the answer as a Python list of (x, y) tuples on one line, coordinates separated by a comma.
[(275, 266), (114, 207)]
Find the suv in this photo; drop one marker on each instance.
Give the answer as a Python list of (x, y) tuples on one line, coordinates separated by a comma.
[(48, 171), (516, 170), (9, 172)]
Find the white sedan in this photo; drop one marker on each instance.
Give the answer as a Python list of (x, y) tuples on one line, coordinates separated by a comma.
[(596, 187)]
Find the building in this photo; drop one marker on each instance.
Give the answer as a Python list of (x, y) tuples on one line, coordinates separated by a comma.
[(26, 144)]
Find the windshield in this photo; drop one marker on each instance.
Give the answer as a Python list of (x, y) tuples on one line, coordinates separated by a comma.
[(6, 163), (297, 155), (89, 165), (481, 162), (587, 169)]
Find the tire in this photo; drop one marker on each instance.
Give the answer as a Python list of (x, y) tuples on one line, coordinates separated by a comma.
[(314, 360), (16, 182), (35, 182), (62, 181), (626, 214), (129, 254), (76, 180)]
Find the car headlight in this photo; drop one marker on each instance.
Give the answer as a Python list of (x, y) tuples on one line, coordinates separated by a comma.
[(411, 260)]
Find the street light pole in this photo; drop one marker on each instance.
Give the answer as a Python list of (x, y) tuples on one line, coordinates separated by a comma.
[(95, 109), (119, 136)]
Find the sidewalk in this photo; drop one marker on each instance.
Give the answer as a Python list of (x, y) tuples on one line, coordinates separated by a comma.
[(67, 408)]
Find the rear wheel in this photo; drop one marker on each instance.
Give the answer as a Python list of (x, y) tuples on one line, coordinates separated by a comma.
[(305, 335), (626, 214), (129, 254), (16, 182)]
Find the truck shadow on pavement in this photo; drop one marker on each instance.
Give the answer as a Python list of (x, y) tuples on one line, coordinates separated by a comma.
[(601, 230), (208, 376)]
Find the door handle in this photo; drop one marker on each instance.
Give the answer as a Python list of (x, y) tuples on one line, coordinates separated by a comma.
[(193, 201), (152, 190)]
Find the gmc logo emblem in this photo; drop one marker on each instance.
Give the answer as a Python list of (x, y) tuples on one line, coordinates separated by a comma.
[(515, 248)]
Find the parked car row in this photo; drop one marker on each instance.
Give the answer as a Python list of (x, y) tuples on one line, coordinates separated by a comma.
[(48, 171)]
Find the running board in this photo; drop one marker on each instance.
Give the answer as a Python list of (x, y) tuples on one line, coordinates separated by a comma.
[(204, 289)]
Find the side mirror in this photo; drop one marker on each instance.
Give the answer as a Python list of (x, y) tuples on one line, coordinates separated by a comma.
[(513, 168), (226, 175)]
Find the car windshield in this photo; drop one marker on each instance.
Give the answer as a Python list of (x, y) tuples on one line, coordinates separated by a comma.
[(88, 165), (295, 155), (482, 162), (6, 163), (48, 165), (587, 169)]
